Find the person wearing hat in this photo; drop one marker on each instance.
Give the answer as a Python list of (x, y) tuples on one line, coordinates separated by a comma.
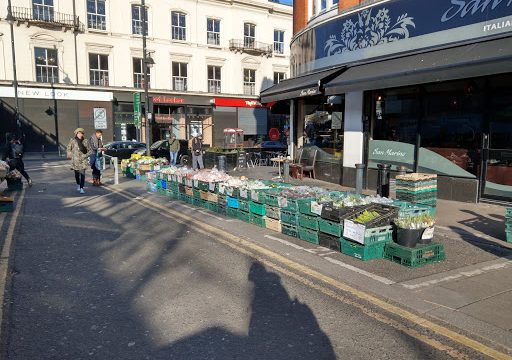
[(78, 152), (197, 152)]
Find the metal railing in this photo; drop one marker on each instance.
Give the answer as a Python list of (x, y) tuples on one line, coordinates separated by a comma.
[(256, 47), (278, 47), (249, 88), (47, 16), (179, 83), (138, 81), (108, 162), (214, 86), (99, 77), (96, 21), (213, 38)]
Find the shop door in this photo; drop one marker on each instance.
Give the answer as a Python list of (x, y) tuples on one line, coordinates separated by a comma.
[(497, 159)]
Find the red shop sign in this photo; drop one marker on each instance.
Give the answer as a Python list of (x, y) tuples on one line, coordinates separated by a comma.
[(168, 100), (237, 103)]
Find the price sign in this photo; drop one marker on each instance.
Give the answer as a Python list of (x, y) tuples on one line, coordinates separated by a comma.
[(428, 233), (222, 188), (243, 194), (316, 208), (196, 183), (211, 186), (229, 191), (282, 201), (353, 231)]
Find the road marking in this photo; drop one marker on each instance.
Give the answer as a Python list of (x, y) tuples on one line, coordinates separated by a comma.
[(210, 214), (461, 274), (334, 261), (261, 254), (5, 259)]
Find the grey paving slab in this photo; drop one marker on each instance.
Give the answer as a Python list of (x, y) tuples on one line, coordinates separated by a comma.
[(445, 297), (495, 310)]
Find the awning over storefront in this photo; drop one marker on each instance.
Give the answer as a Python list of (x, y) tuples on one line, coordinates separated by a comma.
[(307, 85), (480, 59)]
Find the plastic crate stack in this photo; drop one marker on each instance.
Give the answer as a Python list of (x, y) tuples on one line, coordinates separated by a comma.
[(417, 188), (508, 225), (330, 224)]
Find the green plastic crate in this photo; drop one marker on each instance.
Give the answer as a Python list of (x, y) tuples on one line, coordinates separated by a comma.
[(329, 241), (508, 212), (196, 193), (308, 235), (257, 220), (232, 212), (222, 209), (414, 257), (244, 215), (201, 185), (161, 191), (293, 203), (271, 197), (290, 230), (363, 252), (330, 227), (243, 205), (378, 234), (289, 217), (212, 206), (273, 212), (508, 236), (305, 207), (257, 208), (6, 206), (186, 198), (308, 221)]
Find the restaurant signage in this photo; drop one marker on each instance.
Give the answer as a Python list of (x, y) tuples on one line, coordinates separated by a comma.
[(399, 27), (229, 102)]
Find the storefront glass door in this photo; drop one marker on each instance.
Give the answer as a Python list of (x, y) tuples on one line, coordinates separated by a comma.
[(497, 145)]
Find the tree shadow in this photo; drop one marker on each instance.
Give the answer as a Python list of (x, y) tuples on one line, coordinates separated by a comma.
[(279, 328)]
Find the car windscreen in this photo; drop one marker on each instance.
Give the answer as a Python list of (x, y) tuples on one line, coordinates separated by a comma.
[(157, 144)]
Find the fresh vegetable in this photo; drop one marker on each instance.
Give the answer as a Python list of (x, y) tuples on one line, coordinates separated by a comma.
[(366, 216), (415, 222)]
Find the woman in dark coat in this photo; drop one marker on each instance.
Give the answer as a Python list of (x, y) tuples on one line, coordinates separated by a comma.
[(78, 152)]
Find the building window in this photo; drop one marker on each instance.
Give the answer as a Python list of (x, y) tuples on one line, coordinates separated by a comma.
[(214, 79), (98, 69), (278, 77), (96, 15), (42, 10), (213, 32), (137, 20), (179, 26), (249, 35), (278, 42), (249, 82), (47, 65), (179, 76), (138, 74)]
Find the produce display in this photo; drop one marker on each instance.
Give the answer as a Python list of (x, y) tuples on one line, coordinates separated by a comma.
[(366, 216), (422, 221), (213, 175), (4, 169)]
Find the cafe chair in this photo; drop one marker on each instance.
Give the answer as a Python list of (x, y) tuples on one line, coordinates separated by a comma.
[(310, 165)]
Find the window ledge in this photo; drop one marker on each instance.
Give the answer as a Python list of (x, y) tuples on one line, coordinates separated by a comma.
[(218, 47), (279, 55), (98, 31), (180, 42)]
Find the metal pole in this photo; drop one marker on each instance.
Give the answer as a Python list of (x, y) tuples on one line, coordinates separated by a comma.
[(75, 32), (146, 88), (116, 171), (10, 19), (359, 178)]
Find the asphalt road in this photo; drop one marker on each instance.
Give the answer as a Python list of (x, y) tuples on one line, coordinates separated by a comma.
[(101, 277)]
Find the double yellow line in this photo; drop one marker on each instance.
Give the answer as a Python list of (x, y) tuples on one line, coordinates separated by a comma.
[(302, 274)]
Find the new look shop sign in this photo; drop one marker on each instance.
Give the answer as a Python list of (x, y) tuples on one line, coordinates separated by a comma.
[(401, 26), (57, 94)]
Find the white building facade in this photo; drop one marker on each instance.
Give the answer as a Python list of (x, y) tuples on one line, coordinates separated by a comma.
[(90, 52)]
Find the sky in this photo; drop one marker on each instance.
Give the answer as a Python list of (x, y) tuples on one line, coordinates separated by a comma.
[(287, 2)]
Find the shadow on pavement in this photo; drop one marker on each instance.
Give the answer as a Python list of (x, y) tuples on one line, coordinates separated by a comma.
[(280, 328)]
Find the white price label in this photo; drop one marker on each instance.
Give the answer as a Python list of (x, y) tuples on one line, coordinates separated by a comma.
[(282, 201), (196, 183), (189, 183), (316, 208), (180, 180), (229, 191), (428, 233), (222, 188), (243, 194), (156, 167), (211, 186), (254, 196), (354, 231)]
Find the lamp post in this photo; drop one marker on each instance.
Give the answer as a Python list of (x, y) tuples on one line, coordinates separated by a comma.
[(10, 19), (146, 63)]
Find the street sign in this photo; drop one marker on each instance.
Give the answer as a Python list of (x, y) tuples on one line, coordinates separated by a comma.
[(136, 109), (100, 118)]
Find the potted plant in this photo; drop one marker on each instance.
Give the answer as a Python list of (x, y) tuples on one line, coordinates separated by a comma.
[(413, 230)]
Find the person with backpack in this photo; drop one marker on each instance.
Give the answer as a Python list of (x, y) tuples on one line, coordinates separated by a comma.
[(14, 153)]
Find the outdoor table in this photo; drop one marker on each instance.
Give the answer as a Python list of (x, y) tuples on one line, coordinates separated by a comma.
[(279, 161)]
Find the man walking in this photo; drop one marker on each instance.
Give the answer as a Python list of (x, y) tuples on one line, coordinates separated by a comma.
[(96, 144), (174, 147), (14, 152), (197, 152)]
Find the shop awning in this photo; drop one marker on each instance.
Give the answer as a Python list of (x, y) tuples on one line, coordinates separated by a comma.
[(307, 85), (480, 59)]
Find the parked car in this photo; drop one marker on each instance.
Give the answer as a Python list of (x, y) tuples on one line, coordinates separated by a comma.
[(123, 149), (160, 149)]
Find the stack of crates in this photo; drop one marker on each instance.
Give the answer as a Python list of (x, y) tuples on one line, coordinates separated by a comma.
[(414, 257), (150, 179), (417, 188), (307, 221), (14, 184), (274, 206), (508, 225), (369, 243), (173, 188)]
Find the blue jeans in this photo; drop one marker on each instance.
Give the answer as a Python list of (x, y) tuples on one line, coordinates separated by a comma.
[(173, 157)]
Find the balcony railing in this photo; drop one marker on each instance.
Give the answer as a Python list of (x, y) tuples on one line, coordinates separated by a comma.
[(47, 17), (179, 83), (250, 47), (138, 80), (214, 86), (249, 88)]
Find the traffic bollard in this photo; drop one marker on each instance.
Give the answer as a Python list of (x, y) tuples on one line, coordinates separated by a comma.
[(383, 180), (359, 178)]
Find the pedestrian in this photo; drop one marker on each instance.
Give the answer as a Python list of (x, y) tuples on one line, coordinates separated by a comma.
[(174, 147), (78, 151), (96, 144), (197, 152), (14, 152)]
